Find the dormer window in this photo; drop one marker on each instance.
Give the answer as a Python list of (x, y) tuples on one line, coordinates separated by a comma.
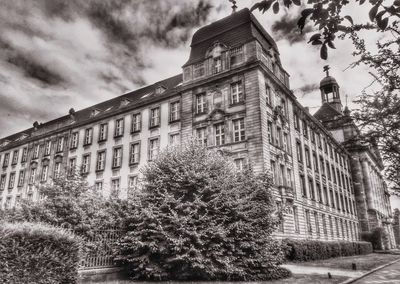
[(237, 55), (160, 90), (217, 65), (198, 70), (125, 102), (94, 112)]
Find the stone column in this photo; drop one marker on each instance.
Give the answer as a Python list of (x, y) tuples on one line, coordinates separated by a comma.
[(367, 183)]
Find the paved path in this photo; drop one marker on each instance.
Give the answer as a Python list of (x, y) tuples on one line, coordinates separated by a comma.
[(299, 269), (388, 275)]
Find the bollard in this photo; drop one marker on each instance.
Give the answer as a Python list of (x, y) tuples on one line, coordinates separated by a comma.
[(354, 266), (329, 275)]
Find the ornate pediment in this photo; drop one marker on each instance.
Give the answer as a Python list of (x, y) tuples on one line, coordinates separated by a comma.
[(217, 114)]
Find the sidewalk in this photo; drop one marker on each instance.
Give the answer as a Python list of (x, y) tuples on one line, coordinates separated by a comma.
[(300, 269)]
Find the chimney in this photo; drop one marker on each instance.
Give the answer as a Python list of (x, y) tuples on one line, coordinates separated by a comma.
[(72, 113)]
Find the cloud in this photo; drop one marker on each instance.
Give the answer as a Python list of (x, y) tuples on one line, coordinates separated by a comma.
[(286, 28)]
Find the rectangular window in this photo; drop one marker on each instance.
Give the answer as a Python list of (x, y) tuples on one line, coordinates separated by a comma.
[(72, 166), (328, 170), (311, 188), (219, 134), (237, 95), (331, 226), (315, 161), (270, 133), (201, 103), (319, 193), (305, 129), (117, 157), (239, 130), (274, 172), (303, 186), (217, 65), (289, 177), (57, 169), (85, 164), (296, 121), (325, 230), (307, 154), (319, 142), (201, 136), (322, 165), (15, 157), (237, 55), (74, 140), (174, 139), (154, 148), (88, 137), (278, 137), (115, 185), (6, 159), (299, 152), (47, 148), (240, 164), (312, 133), (268, 96), (24, 157), (136, 122), (198, 70), (101, 161), (119, 128), (60, 144), (332, 198), (132, 182), (45, 171), (308, 221), (32, 177), (11, 181), (3, 181), (316, 218), (286, 143), (174, 111), (103, 132), (134, 153), (155, 117), (98, 185), (296, 219), (21, 178), (326, 195)]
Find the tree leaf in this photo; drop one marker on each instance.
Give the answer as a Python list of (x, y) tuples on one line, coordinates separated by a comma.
[(307, 12), (382, 23), (258, 5), (314, 37), (324, 52), (362, 2), (275, 7), (316, 42), (372, 12), (301, 23), (396, 3), (298, 3), (349, 19), (330, 44)]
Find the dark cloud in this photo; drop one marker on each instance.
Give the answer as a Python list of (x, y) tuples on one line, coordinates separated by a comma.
[(286, 28), (307, 89)]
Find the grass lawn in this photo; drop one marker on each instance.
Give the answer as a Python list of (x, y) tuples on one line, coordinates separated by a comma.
[(363, 262)]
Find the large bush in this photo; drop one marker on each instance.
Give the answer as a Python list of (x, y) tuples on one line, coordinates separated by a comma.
[(199, 219), (376, 237), (306, 250), (37, 253)]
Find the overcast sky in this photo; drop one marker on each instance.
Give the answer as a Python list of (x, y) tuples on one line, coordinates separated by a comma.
[(58, 54)]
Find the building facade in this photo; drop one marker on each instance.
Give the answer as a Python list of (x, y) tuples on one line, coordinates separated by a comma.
[(234, 95)]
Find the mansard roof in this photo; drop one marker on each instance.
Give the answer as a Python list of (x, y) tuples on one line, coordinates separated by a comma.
[(132, 99), (236, 29), (327, 112)]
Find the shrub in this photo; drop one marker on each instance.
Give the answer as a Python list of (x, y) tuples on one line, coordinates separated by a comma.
[(37, 253), (306, 250), (376, 237), (200, 219)]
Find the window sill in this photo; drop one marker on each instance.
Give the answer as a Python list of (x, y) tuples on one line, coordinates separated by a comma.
[(174, 121), (136, 131), (237, 104), (102, 141), (118, 136), (134, 164), (154, 126)]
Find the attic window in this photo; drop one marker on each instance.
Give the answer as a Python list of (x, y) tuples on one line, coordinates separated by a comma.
[(22, 137), (237, 55), (160, 90), (109, 108), (198, 70), (125, 102), (145, 95), (4, 143), (94, 112)]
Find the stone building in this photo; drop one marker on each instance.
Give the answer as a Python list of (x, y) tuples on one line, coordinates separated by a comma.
[(396, 226), (233, 94)]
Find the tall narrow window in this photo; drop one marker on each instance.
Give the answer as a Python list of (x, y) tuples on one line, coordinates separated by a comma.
[(136, 122), (286, 143), (303, 186), (21, 178), (174, 111), (198, 70), (36, 150), (315, 162), (219, 134), (103, 132), (45, 172), (270, 133), (319, 192), (134, 153), (268, 96), (60, 144), (154, 148), (155, 117), (47, 148), (24, 157), (119, 128), (201, 103), (57, 169), (3, 181), (305, 128), (132, 182), (299, 152), (174, 139), (15, 157), (72, 166), (85, 164), (74, 140), (289, 177), (316, 218), (237, 93), (322, 165), (308, 221), (11, 181), (239, 130), (278, 137), (311, 187), (307, 154), (117, 157), (32, 177), (201, 136), (101, 161), (296, 219), (115, 185), (88, 137)]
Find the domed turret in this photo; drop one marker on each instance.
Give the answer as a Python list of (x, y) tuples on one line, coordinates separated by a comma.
[(330, 91)]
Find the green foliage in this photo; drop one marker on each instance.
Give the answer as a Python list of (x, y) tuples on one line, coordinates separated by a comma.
[(375, 237), (306, 250), (199, 219), (37, 253)]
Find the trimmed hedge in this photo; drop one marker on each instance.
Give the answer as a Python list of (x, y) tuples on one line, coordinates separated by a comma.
[(306, 250), (37, 253)]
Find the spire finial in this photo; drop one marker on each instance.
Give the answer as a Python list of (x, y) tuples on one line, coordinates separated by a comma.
[(346, 98), (233, 6), (326, 69)]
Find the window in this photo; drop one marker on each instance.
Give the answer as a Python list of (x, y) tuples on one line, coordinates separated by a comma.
[(332, 198), (11, 181), (282, 175), (201, 136), (117, 157), (24, 155), (289, 177), (325, 146), (136, 122), (7, 205), (47, 148), (319, 142), (326, 195), (201, 103), (72, 166), (153, 148), (174, 111), (240, 164), (268, 96), (155, 117), (60, 144), (32, 177), (284, 107), (134, 154), (325, 230), (198, 70), (3, 181), (311, 187), (270, 133), (103, 132), (328, 170), (85, 164), (237, 55), (45, 171), (299, 152), (316, 219), (307, 154), (308, 221), (286, 144), (238, 130), (319, 193), (74, 140), (305, 129), (57, 169), (21, 178), (312, 133), (303, 186), (315, 161), (119, 127), (6, 159), (219, 134), (217, 65), (274, 172), (98, 186), (237, 93), (174, 139), (15, 157), (88, 137), (278, 137), (101, 161), (132, 182), (115, 185), (296, 219), (331, 226), (296, 121), (322, 165)]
